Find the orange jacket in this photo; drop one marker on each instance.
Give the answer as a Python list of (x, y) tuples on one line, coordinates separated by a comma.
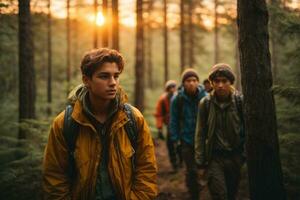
[(162, 113), (128, 184)]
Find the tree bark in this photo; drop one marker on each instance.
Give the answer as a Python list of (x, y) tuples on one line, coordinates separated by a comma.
[(105, 25), (49, 50), (264, 166), (165, 35), (27, 88), (139, 52), (115, 24)]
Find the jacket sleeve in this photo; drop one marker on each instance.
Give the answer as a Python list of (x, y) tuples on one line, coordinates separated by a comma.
[(200, 135), (174, 119), (145, 179), (159, 113), (55, 181)]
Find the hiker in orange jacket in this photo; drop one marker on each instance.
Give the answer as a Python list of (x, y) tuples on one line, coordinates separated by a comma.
[(162, 116)]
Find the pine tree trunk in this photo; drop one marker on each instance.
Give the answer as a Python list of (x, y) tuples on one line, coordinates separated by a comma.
[(165, 35), (274, 38), (191, 34), (216, 33), (105, 25), (182, 36), (148, 47), (27, 88), (139, 53), (68, 51), (264, 166), (49, 49), (95, 31), (238, 85), (115, 25)]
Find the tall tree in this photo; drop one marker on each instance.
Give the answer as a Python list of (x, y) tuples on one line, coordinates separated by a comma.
[(95, 41), (27, 88), (191, 34), (49, 50), (139, 56), (165, 35), (105, 25), (216, 33), (264, 166), (182, 36), (274, 37), (75, 36), (237, 60), (68, 51), (115, 24), (148, 46)]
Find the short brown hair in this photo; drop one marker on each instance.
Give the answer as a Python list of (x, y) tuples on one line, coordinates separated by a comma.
[(96, 57)]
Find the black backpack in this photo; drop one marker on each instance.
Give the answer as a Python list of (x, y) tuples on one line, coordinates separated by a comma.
[(71, 131)]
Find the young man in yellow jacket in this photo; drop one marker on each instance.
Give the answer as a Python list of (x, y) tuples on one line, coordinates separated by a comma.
[(107, 164)]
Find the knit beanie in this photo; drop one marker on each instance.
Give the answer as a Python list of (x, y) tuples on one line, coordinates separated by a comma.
[(221, 69), (189, 73), (169, 84)]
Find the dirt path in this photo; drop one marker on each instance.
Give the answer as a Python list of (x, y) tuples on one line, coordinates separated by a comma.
[(172, 185)]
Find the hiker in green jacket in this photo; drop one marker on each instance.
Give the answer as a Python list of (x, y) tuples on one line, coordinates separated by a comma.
[(219, 138)]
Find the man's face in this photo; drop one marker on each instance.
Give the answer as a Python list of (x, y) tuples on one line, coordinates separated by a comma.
[(222, 86), (172, 90), (104, 82), (190, 85), (207, 86)]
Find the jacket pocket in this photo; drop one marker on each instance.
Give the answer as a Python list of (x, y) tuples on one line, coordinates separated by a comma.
[(82, 167), (127, 162)]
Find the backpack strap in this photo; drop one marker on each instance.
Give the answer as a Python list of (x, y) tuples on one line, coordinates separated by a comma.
[(70, 133), (239, 106), (131, 130), (180, 110)]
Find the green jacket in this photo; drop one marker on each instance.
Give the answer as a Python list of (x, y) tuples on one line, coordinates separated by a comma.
[(208, 118)]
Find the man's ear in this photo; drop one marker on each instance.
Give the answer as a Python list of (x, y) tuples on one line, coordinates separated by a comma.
[(85, 80)]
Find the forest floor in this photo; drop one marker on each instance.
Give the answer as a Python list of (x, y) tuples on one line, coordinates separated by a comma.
[(171, 185)]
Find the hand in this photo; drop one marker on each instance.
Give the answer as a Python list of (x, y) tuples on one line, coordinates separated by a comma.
[(160, 134)]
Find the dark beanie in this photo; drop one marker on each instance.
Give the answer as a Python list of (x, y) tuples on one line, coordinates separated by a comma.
[(189, 73), (221, 69)]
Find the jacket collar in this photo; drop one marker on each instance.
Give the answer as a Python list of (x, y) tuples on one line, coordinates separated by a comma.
[(78, 115), (200, 89)]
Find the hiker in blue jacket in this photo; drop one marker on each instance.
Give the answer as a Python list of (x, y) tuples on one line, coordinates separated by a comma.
[(183, 123)]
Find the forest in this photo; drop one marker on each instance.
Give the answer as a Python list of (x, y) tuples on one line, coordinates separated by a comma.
[(42, 43)]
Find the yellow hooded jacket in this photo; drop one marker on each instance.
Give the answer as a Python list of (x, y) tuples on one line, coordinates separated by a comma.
[(128, 183)]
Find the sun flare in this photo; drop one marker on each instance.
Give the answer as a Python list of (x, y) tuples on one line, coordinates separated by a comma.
[(100, 20)]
